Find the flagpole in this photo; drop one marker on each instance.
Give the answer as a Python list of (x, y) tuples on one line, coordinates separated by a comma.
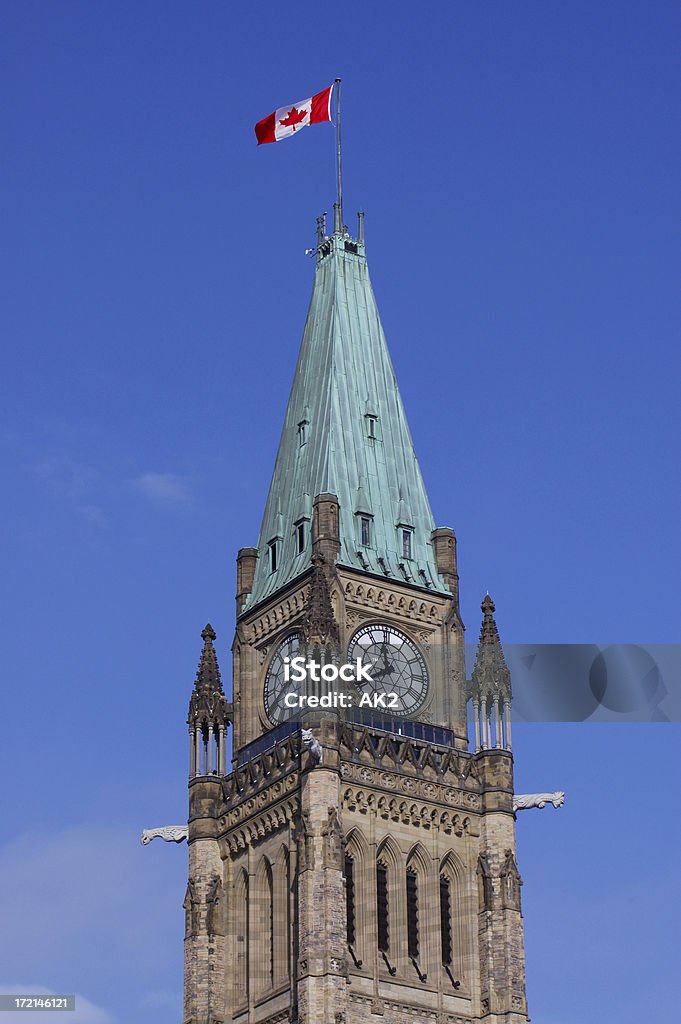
[(339, 225)]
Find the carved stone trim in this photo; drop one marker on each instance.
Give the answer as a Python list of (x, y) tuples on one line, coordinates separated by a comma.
[(281, 1017), (383, 599), (282, 614), (382, 1006), (279, 816), (267, 772), (392, 782), (411, 812), (406, 755)]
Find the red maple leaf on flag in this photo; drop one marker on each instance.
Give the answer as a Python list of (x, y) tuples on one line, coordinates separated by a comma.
[(293, 118)]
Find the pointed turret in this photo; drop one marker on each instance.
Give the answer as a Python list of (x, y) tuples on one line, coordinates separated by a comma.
[(319, 627), (346, 436), (491, 685), (209, 713)]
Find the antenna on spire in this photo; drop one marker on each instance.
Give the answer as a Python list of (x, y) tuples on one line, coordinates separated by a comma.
[(338, 207)]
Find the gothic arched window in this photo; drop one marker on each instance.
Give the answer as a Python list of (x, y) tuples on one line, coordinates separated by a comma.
[(358, 872), (455, 933), (269, 920), (241, 932), (281, 918), (263, 961)]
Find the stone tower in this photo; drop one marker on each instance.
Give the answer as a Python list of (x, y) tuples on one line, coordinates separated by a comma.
[(363, 870)]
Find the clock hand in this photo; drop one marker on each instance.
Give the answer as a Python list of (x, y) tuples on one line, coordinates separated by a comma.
[(387, 665)]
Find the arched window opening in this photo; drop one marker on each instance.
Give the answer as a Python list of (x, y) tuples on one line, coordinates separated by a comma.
[(281, 919), (242, 936), (454, 936), (269, 918)]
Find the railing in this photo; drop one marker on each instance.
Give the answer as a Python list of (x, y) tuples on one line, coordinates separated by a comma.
[(422, 731), (266, 742), (436, 734)]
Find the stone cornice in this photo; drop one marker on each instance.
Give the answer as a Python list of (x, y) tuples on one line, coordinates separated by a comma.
[(420, 805)]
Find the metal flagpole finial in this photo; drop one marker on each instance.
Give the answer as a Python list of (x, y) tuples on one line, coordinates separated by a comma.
[(338, 154)]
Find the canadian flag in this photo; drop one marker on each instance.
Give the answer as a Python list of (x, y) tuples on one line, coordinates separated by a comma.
[(288, 120)]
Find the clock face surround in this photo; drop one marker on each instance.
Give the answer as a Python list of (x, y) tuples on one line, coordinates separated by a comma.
[(398, 666), (276, 686), (385, 671)]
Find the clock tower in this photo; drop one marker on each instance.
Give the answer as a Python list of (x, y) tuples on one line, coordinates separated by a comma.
[(357, 862)]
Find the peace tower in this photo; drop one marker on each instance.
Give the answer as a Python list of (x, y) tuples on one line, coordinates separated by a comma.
[(352, 866)]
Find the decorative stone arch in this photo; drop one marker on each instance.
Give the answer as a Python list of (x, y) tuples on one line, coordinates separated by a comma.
[(419, 898), (241, 936), (356, 841), (359, 875), (461, 917), (281, 917), (262, 909), (389, 854)]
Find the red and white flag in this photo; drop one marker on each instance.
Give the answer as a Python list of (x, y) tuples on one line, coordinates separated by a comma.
[(288, 120)]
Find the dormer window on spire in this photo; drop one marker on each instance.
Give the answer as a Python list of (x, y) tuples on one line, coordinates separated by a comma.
[(273, 554), (301, 532), (407, 537), (303, 431), (371, 425)]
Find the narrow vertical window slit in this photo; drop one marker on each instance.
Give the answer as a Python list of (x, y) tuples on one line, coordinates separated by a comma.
[(382, 907), (350, 900), (412, 915), (446, 921)]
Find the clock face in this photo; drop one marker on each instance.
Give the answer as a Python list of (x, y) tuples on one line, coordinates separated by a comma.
[(276, 687), (398, 667)]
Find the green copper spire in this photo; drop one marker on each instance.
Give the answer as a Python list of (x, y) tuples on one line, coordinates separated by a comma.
[(346, 433)]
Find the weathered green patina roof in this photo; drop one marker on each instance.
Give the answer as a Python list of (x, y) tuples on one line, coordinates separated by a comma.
[(344, 377)]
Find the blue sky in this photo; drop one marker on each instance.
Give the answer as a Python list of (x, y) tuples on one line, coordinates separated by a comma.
[(519, 167)]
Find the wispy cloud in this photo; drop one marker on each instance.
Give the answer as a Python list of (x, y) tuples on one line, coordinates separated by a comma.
[(74, 481), (64, 475), (85, 1012), (168, 488)]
